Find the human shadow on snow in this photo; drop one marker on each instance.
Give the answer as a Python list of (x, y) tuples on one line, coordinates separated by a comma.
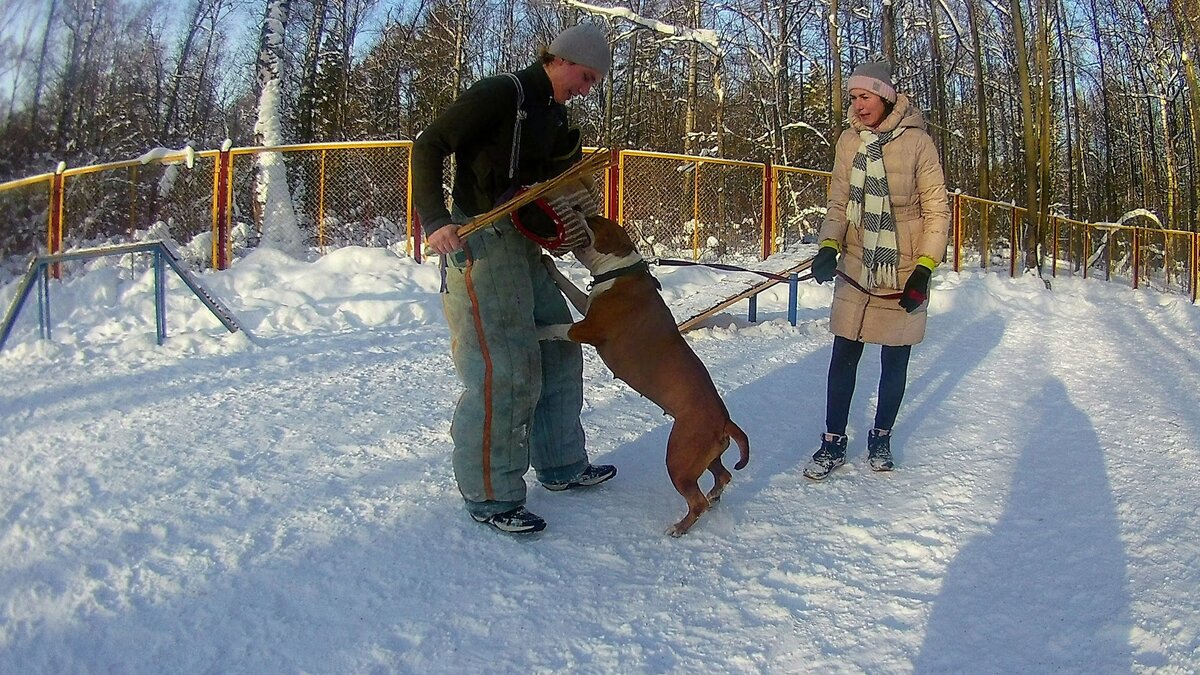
[(1046, 589)]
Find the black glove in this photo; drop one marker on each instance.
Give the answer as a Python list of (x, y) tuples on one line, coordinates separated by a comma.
[(916, 289), (824, 266)]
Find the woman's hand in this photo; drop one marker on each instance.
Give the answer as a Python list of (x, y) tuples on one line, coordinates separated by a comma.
[(824, 266), (916, 289)]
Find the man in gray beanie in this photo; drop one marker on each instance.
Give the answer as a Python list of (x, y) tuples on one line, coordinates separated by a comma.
[(521, 399), (584, 44)]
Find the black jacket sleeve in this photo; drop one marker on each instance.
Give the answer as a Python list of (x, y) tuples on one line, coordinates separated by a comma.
[(477, 112)]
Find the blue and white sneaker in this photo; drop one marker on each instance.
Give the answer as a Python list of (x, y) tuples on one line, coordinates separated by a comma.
[(594, 474), (518, 521)]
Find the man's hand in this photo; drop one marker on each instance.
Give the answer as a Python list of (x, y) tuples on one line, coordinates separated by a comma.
[(445, 239)]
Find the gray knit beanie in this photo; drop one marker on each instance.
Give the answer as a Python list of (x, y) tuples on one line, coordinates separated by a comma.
[(585, 44), (875, 77)]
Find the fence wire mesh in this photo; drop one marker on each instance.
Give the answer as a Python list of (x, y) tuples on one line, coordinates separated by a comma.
[(675, 206), (24, 214), (799, 205)]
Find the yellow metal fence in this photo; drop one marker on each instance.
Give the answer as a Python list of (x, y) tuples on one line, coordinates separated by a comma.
[(700, 208)]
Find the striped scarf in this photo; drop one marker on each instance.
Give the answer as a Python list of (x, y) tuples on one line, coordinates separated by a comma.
[(870, 207)]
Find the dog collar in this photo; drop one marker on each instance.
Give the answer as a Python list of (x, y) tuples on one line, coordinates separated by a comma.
[(636, 268)]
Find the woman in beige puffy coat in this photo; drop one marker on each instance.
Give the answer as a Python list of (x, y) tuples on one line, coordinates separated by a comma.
[(888, 217)]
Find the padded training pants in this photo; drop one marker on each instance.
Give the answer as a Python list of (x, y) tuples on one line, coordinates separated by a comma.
[(521, 400)]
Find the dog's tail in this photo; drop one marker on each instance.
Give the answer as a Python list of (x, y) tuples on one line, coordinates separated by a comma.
[(735, 432)]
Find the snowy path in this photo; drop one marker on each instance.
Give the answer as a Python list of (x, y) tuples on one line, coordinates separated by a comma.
[(217, 506)]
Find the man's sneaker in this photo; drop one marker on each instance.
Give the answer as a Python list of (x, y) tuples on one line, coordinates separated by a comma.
[(594, 474), (879, 449), (517, 521), (831, 455)]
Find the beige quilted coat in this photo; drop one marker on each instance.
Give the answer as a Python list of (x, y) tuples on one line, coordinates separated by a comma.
[(922, 213)]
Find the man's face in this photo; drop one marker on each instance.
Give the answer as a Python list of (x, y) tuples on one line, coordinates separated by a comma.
[(571, 79)]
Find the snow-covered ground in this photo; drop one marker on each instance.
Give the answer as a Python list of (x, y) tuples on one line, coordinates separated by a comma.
[(284, 502)]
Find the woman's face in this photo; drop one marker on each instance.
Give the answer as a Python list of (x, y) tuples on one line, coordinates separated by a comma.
[(570, 79), (868, 106)]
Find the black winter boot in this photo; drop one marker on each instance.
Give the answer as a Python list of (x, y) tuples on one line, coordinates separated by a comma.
[(831, 455), (879, 449)]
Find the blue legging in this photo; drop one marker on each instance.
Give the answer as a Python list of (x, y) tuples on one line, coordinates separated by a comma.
[(843, 370)]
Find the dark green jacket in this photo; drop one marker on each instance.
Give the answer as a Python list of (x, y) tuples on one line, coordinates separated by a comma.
[(478, 129)]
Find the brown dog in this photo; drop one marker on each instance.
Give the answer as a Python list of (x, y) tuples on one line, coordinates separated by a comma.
[(628, 323)]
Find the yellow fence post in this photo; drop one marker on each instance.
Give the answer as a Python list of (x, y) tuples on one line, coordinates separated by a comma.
[(612, 184), (769, 213), (222, 206), (410, 232), (956, 223), (321, 203), (621, 189), (696, 210)]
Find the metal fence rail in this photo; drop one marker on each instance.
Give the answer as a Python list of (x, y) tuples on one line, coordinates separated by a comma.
[(39, 272), (360, 193)]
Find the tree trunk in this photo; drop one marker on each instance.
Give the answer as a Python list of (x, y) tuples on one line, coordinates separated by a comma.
[(278, 224), (18, 66), (1194, 126), (460, 48), (1045, 124), (1029, 137), (781, 81), (691, 102), (606, 136), (629, 110), (78, 55), (983, 164), (167, 127), (889, 31), (308, 76), (40, 79), (937, 92), (719, 114), (1108, 196), (1170, 166), (1070, 104), (835, 79)]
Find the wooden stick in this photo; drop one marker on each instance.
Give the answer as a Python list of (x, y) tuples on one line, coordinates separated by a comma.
[(590, 164)]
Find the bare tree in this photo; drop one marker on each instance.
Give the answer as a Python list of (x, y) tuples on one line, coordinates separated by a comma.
[(42, 67), (1035, 137), (983, 157), (835, 75)]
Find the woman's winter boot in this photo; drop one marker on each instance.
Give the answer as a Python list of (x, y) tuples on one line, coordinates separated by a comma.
[(879, 449), (831, 455)]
